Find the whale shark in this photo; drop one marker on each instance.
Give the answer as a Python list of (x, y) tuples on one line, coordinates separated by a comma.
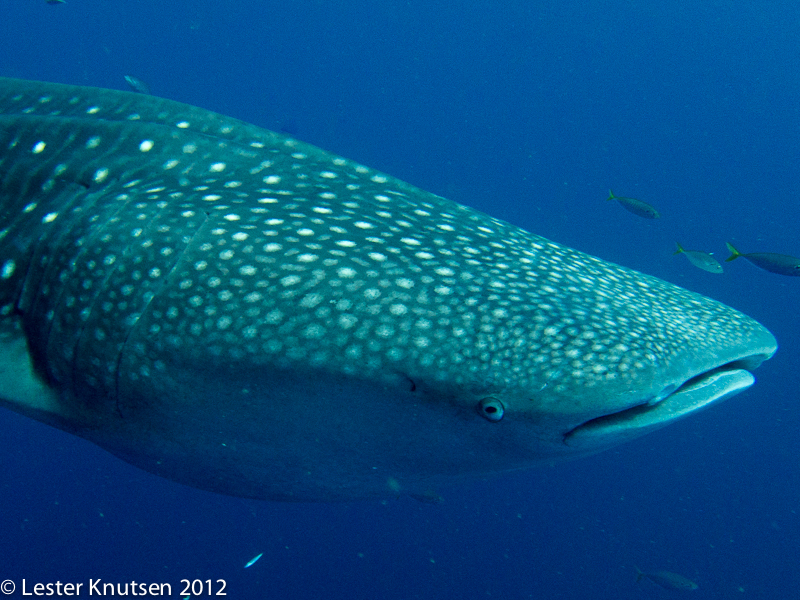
[(245, 313)]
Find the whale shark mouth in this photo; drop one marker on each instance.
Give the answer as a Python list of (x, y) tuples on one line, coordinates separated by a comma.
[(697, 392)]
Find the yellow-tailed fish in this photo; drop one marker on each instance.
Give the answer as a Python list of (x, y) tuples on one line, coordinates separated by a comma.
[(701, 260), (637, 207), (782, 264)]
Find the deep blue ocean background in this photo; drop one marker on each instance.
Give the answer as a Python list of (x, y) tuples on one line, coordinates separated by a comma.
[(529, 111)]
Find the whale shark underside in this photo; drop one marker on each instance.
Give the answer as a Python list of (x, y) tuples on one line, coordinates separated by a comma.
[(245, 313)]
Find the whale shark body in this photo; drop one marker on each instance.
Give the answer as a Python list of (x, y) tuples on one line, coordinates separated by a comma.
[(245, 313)]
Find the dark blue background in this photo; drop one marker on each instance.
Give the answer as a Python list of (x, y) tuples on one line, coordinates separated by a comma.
[(529, 111)]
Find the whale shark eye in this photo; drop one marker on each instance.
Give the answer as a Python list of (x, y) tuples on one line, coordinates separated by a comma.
[(491, 408)]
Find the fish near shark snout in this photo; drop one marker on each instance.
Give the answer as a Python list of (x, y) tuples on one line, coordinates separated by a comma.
[(714, 351)]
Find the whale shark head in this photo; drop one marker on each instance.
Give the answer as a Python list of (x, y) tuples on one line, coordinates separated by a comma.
[(245, 313)]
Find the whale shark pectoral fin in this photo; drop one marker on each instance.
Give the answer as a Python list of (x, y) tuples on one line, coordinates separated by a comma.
[(20, 384)]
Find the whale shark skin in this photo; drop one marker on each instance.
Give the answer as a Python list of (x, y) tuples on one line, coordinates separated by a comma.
[(245, 313)]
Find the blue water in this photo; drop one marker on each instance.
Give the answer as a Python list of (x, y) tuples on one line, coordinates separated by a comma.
[(530, 111)]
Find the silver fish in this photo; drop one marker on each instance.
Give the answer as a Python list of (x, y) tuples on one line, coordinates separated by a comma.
[(245, 313), (637, 207), (701, 260), (667, 580), (137, 85), (253, 560)]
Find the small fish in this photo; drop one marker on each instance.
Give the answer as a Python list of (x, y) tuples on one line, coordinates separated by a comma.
[(253, 560), (701, 260), (56, 1), (782, 264), (428, 497), (667, 580), (637, 207), (137, 85)]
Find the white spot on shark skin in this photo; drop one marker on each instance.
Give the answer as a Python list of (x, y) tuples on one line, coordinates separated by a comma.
[(398, 310), (314, 331), (384, 331), (100, 175), (146, 145), (38, 147), (274, 317), (217, 167), (347, 321), (8, 269), (311, 300), (290, 280)]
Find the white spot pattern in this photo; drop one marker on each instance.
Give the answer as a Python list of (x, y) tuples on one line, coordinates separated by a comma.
[(224, 243)]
